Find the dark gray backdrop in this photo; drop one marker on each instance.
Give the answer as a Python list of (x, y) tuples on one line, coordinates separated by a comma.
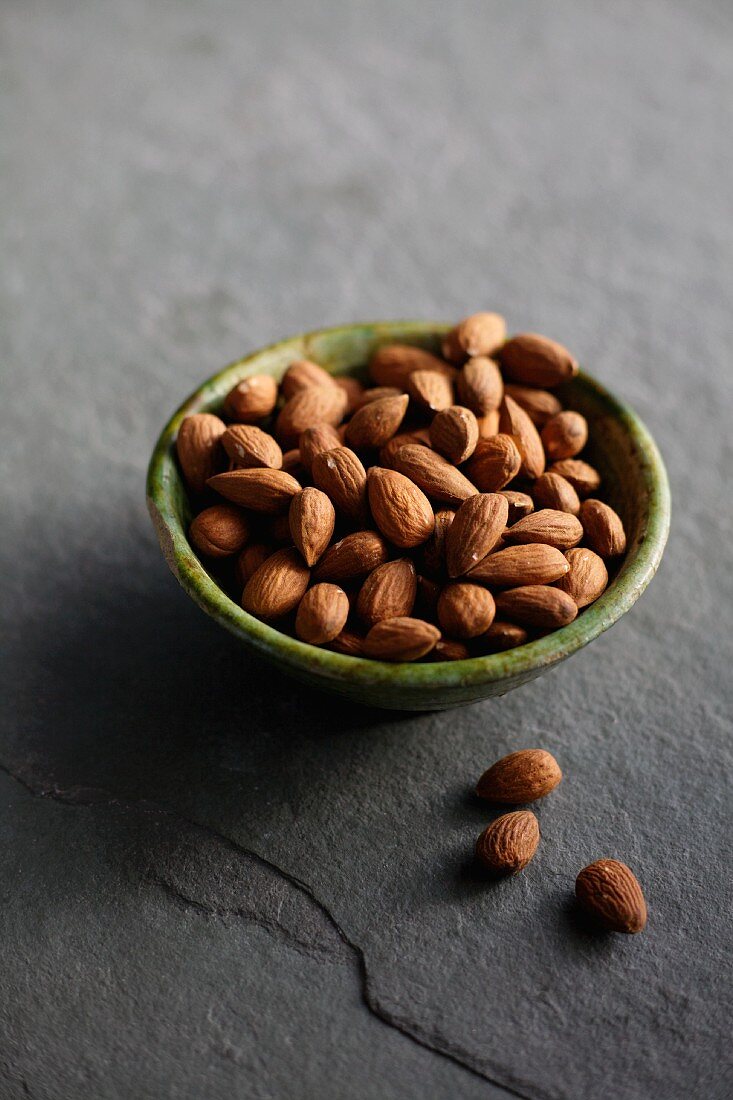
[(215, 883)]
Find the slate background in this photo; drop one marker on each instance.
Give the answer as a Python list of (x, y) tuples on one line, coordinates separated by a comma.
[(214, 883)]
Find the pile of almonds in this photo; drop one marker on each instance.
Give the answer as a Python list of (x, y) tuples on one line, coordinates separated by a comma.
[(441, 513), (607, 890)]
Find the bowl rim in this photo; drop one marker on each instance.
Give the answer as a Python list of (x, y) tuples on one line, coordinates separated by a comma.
[(519, 663)]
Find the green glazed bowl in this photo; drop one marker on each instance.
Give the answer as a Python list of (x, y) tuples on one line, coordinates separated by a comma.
[(634, 481)]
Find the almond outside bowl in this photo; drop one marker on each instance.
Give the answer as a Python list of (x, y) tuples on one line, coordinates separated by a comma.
[(634, 483)]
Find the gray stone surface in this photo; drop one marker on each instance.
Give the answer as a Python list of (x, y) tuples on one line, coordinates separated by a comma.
[(213, 882)]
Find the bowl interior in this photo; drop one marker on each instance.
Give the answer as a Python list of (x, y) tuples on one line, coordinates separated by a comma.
[(634, 483)]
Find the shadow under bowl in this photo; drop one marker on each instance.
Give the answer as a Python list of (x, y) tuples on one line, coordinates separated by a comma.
[(634, 483)]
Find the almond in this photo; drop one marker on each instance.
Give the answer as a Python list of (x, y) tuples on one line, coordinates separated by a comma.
[(586, 578), (433, 474), (348, 642), (502, 636), (250, 559), (610, 892), (508, 844), (419, 437), (278, 586), (219, 531), (583, 478), (449, 650), (354, 556), (494, 463), (553, 491), (248, 447), (536, 360), (539, 405), (315, 405), (268, 491), (400, 509), (514, 421), (279, 530), (520, 505), (392, 364), (252, 399), (533, 563), (476, 528), (302, 374), (537, 605), (488, 424), (321, 437), (311, 520), (376, 422), (603, 528), (465, 610), (479, 334), (341, 475), (426, 601), (198, 448), (430, 389), (522, 776), (558, 529), (377, 393), (480, 386), (400, 639), (433, 555), (564, 435), (354, 391), (322, 614), (388, 592), (454, 433)]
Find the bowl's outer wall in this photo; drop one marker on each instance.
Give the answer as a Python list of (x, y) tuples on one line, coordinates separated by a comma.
[(635, 483)]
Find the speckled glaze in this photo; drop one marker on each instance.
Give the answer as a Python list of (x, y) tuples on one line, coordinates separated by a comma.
[(635, 483)]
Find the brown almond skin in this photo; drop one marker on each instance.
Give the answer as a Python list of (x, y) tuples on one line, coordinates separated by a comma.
[(420, 437), (480, 386), (494, 463), (249, 447), (553, 491), (353, 389), (522, 776), (454, 433), (278, 586), (540, 405), (586, 578), (376, 393), (564, 435), (252, 399), (302, 374), (603, 528), (533, 563), (508, 844), (250, 559), (465, 610), (198, 448), (311, 520), (583, 477), (322, 614), (375, 423), (349, 643), (476, 528), (292, 464), (315, 405), (610, 892), (478, 334), (353, 556), (514, 421), (430, 389), (433, 555), (400, 639), (488, 424), (550, 526), (436, 477), (313, 441), (388, 592), (341, 475), (400, 509), (534, 360), (520, 505), (502, 635), (447, 649), (267, 491), (219, 531), (392, 364), (537, 605)]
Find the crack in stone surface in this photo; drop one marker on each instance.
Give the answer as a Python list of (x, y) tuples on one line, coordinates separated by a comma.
[(89, 797)]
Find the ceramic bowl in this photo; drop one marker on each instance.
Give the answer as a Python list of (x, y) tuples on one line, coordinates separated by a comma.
[(634, 483)]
